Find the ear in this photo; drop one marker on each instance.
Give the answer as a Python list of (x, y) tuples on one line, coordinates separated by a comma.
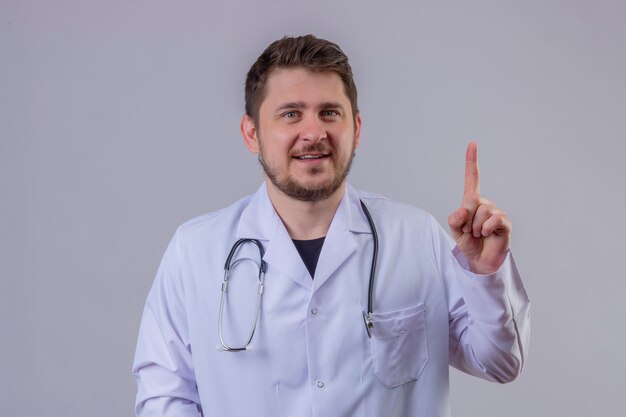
[(249, 133), (357, 130)]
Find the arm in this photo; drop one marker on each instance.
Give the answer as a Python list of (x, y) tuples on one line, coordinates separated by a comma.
[(489, 320), (488, 306), (163, 364)]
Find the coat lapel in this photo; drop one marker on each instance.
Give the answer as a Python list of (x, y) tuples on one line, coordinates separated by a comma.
[(340, 243), (260, 221)]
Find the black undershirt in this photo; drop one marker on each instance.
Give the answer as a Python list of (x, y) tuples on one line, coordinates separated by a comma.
[(309, 251)]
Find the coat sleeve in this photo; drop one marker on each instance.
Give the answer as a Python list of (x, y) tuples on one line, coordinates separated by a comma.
[(163, 364), (489, 315)]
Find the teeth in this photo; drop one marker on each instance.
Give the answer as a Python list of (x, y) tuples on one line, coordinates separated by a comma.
[(310, 156)]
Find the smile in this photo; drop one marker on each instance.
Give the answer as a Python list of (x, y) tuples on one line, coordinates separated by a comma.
[(311, 156)]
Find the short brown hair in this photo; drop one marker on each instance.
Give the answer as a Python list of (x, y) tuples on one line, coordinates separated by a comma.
[(308, 52)]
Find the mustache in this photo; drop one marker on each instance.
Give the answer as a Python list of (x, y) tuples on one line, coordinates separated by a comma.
[(318, 147)]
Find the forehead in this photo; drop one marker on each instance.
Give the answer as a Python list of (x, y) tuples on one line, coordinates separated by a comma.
[(302, 85)]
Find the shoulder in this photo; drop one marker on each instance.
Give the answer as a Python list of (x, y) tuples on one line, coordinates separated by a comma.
[(390, 210), (213, 222), (404, 226)]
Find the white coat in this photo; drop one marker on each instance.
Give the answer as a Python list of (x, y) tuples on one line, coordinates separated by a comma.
[(311, 353)]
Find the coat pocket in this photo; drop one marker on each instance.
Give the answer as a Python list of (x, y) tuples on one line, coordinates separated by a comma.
[(399, 346)]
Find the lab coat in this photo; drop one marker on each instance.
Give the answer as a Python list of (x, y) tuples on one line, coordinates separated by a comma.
[(311, 354)]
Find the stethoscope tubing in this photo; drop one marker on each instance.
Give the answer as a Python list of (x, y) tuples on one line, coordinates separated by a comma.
[(370, 290), (262, 267)]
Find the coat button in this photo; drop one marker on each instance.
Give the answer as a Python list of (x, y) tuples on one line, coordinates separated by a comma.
[(314, 311), (320, 384)]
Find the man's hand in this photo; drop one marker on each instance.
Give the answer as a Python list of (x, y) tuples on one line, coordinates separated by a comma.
[(481, 230)]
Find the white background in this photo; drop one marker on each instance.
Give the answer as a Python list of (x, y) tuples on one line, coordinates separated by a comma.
[(120, 119)]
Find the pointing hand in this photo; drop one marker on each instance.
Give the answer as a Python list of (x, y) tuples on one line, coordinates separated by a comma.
[(481, 230)]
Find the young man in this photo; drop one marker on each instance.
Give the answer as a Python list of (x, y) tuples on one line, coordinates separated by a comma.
[(336, 302)]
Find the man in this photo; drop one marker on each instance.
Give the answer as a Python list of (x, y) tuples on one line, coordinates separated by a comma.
[(320, 341)]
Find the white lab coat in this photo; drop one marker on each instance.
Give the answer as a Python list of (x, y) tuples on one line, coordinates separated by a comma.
[(311, 353)]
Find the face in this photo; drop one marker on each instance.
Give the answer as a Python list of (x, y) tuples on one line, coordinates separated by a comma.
[(306, 134)]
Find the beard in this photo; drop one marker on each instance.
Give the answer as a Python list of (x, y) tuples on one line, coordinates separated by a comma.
[(292, 188)]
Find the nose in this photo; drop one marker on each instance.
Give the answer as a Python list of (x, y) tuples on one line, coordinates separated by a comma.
[(313, 129)]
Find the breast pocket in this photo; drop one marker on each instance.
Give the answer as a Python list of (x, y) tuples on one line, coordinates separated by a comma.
[(399, 346)]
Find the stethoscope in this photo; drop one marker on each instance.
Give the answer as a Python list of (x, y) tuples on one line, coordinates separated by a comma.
[(367, 316)]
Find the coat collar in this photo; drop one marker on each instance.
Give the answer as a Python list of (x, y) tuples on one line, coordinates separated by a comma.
[(259, 220)]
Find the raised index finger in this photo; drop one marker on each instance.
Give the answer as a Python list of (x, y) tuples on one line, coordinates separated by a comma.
[(472, 176)]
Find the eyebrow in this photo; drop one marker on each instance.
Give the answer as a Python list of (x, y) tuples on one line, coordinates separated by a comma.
[(291, 105), (302, 105)]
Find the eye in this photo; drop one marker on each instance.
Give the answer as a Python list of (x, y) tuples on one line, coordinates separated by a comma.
[(290, 115), (329, 113)]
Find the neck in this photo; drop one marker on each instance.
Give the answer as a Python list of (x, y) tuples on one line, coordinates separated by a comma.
[(305, 220)]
